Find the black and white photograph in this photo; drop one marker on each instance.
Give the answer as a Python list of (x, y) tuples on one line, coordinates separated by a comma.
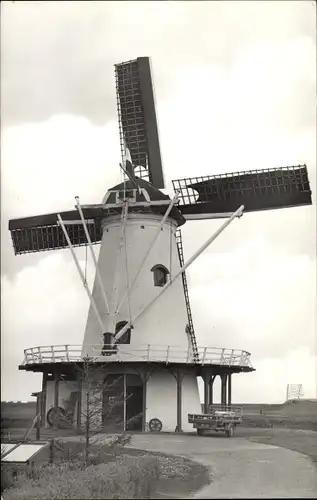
[(158, 249)]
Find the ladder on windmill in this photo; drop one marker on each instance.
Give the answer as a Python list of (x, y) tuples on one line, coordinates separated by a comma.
[(179, 243)]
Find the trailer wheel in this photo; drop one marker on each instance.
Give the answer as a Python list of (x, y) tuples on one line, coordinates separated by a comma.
[(200, 432), (230, 430)]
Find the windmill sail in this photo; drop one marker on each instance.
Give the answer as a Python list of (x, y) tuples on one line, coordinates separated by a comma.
[(40, 233), (137, 119), (255, 189)]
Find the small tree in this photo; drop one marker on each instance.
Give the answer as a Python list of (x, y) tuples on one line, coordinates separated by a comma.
[(92, 411)]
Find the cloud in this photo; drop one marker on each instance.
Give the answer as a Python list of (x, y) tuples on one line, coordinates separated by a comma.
[(230, 96), (66, 51), (45, 304), (45, 165), (255, 298), (268, 383)]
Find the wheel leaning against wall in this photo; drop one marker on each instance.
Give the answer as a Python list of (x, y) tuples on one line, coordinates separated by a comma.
[(55, 416), (155, 425)]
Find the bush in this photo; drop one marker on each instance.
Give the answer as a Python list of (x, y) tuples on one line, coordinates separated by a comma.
[(126, 478), (7, 479)]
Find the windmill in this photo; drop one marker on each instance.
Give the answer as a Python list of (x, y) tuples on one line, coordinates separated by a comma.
[(139, 325)]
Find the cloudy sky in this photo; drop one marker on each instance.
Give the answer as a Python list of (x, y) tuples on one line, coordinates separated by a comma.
[(235, 86)]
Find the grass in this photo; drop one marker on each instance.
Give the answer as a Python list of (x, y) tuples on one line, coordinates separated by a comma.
[(125, 478), (286, 422), (116, 472), (179, 476), (302, 441), (107, 474)]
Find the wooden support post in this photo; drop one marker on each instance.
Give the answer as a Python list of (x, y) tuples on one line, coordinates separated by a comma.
[(224, 389), (79, 404), (179, 378), (43, 399), (144, 376), (144, 387), (229, 389), (38, 414), (206, 392), (211, 389), (56, 396)]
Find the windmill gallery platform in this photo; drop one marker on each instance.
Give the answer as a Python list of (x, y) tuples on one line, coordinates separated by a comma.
[(158, 379), (139, 336)]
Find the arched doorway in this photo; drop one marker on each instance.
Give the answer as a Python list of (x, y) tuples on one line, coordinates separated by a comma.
[(123, 402)]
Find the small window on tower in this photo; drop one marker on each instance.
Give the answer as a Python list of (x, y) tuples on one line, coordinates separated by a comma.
[(160, 275)]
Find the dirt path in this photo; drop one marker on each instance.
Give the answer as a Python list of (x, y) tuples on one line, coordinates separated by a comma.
[(240, 468)]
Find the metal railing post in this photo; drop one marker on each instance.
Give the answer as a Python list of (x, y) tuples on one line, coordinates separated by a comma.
[(222, 356), (167, 353), (188, 354), (204, 356), (232, 357)]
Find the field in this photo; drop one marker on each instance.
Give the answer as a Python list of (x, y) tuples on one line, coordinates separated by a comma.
[(17, 415), (290, 425), (294, 414)]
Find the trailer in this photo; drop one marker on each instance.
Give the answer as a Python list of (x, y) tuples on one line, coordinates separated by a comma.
[(219, 418)]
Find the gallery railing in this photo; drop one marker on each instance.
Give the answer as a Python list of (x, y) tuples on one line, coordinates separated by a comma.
[(145, 353)]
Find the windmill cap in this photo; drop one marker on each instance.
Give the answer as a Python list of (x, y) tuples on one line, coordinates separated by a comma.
[(138, 196)]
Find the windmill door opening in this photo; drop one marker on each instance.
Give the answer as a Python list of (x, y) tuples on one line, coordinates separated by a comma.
[(134, 403), (122, 403)]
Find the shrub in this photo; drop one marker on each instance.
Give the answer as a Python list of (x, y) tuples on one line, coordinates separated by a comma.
[(7, 479), (126, 478)]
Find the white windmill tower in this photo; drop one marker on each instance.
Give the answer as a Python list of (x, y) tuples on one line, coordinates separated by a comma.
[(139, 327)]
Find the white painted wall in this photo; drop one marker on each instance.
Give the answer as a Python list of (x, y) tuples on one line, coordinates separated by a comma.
[(165, 322), (161, 399)]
